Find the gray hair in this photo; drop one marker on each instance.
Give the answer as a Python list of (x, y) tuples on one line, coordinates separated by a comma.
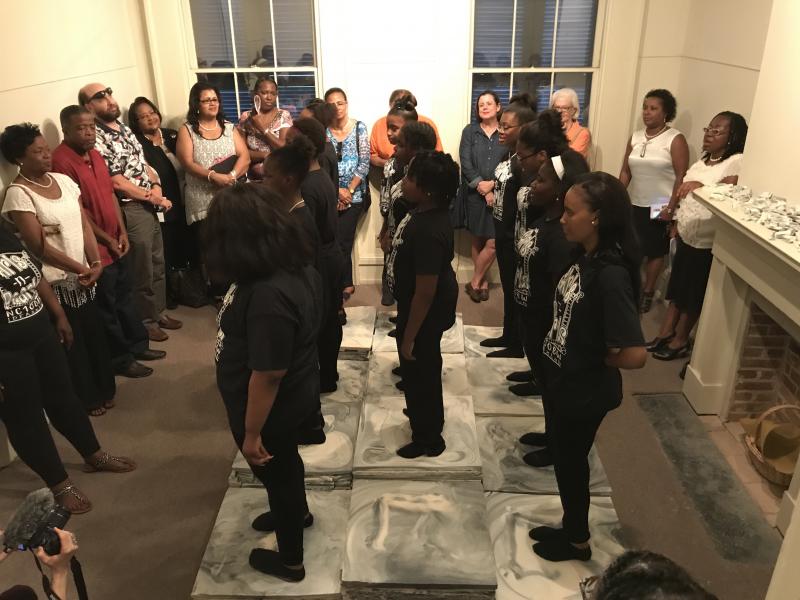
[(570, 95)]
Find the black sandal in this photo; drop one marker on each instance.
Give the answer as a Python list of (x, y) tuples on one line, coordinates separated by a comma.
[(668, 353), (657, 343), (646, 302)]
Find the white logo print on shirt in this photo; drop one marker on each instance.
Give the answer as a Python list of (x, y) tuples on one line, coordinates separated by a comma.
[(397, 241), (18, 280), (527, 247), (226, 302), (568, 292), (502, 174)]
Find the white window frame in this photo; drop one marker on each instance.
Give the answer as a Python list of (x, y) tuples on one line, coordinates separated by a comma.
[(194, 70), (553, 71)]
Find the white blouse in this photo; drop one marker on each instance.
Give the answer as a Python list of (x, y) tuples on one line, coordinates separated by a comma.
[(652, 175), (695, 223)]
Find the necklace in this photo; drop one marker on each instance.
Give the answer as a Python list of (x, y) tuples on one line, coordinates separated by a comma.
[(35, 183), (297, 204), (650, 138), (152, 137), (214, 128), (714, 160)]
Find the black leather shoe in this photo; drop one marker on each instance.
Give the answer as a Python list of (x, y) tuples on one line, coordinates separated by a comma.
[(415, 450), (539, 458), (392, 333), (393, 320), (150, 355), (529, 388), (400, 386), (544, 533), (507, 353), (397, 371), (498, 342), (533, 438), (135, 370), (520, 376)]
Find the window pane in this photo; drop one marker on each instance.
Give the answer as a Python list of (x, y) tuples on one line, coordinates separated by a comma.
[(533, 42), (224, 83), (252, 24), (582, 84), (295, 90), (536, 84), (576, 26), (500, 83), (294, 32), (492, 38), (212, 33)]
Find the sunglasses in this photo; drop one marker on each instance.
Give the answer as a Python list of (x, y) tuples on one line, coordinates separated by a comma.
[(339, 146), (102, 94)]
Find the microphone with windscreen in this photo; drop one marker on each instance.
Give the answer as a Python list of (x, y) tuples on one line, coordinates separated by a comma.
[(32, 525)]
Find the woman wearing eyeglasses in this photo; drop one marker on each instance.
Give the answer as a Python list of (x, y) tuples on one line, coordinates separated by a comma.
[(565, 101), (723, 144), (213, 153), (655, 162), (265, 126), (351, 140)]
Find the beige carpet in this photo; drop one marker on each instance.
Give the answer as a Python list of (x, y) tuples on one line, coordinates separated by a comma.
[(148, 530)]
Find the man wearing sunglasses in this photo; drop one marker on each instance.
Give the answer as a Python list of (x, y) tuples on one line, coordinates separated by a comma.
[(138, 189)]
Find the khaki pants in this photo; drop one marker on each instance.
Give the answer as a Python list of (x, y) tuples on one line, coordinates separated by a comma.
[(147, 260)]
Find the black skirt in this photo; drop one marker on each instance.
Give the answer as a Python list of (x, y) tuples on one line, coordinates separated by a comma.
[(653, 234), (689, 277)]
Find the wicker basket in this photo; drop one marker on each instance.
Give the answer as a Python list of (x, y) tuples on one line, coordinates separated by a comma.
[(754, 443)]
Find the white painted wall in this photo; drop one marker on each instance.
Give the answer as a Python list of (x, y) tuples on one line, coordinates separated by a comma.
[(51, 49)]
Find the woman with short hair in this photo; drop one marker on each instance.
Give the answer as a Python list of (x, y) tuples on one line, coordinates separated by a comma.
[(264, 127), (566, 102)]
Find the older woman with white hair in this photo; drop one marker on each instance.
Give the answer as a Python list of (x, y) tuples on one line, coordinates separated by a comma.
[(565, 101)]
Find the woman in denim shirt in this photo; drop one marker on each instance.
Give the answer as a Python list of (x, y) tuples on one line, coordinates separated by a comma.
[(479, 152), (351, 141)]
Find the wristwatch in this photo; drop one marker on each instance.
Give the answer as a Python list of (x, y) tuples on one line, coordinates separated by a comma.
[(233, 173), (351, 190)]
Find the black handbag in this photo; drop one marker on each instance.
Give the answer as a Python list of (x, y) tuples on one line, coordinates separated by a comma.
[(226, 166), (458, 208)]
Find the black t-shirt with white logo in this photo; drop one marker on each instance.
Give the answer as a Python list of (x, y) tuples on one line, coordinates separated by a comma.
[(271, 325), (423, 245), (23, 318), (321, 195), (594, 310)]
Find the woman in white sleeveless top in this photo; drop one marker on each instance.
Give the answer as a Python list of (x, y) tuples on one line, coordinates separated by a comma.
[(655, 162)]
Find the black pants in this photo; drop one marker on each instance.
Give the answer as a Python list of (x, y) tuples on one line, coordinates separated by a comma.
[(330, 332), (123, 324), (283, 477), (507, 263), (179, 244), (36, 381), (533, 330), (88, 357), (346, 235), (422, 379), (570, 439)]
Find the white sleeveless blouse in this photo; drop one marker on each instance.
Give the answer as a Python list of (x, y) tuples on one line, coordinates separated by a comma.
[(652, 175)]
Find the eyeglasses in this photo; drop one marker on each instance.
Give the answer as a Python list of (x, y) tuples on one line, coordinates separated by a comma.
[(502, 127), (210, 101), (339, 146), (102, 94), (564, 108), (520, 158), (713, 132)]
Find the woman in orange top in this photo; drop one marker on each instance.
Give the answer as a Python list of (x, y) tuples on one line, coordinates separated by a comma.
[(380, 148), (565, 101)]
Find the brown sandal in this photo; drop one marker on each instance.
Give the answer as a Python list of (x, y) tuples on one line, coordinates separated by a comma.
[(112, 464), (97, 412), (473, 293), (74, 500)]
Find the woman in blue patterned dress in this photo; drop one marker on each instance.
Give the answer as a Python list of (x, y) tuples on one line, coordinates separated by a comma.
[(351, 141)]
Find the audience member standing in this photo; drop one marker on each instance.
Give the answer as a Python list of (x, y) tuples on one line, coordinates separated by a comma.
[(266, 355), (35, 379), (480, 152), (325, 113), (653, 168), (565, 101), (423, 281), (381, 146), (44, 208), (264, 126), (508, 180), (595, 332), (349, 138), (77, 157), (213, 154), (139, 190), (159, 145), (723, 144)]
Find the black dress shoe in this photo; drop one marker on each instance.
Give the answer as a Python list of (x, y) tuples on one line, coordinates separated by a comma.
[(397, 371), (498, 342), (392, 333), (393, 320), (269, 562), (544, 533), (559, 549), (400, 386), (311, 437), (415, 450), (534, 438), (327, 388), (135, 370), (507, 353), (539, 458), (266, 522), (529, 388), (520, 376), (150, 355)]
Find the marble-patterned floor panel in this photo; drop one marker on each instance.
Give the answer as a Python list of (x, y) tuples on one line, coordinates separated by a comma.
[(452, 340), (384, 428), (381, 381), (474, 334), (418, 533), (352, 384), (521, 574), (358, 332), (327, 465), (489, 387), (503, 468), (225, 573)]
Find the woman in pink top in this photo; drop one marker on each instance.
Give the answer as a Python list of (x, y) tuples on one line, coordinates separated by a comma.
[(565, 101), (265, 126)]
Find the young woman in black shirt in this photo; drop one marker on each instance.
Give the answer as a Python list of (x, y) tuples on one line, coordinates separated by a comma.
[(266, 356), (508, 180), (595, 332), (422, 280)]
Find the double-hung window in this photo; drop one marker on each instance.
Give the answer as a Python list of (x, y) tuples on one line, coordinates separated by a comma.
[(236, 41)]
